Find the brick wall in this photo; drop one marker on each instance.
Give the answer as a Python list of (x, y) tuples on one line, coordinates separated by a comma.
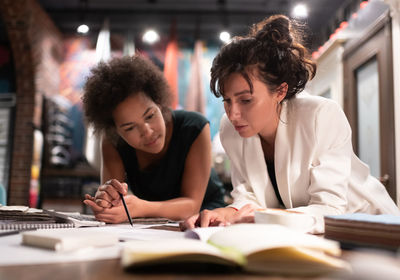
[(37, 50)]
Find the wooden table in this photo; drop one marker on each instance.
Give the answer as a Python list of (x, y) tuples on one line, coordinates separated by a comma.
[(112, 269), (106, 270)]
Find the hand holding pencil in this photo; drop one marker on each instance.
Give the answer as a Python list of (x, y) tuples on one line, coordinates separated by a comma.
[(108, 194), (109, 204)]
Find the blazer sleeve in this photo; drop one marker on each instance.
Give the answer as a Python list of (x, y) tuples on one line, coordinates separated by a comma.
[(242, 192), (330, 168)]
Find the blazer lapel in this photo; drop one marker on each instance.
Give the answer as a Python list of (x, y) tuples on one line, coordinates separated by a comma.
[(282, 157), (257, 172)]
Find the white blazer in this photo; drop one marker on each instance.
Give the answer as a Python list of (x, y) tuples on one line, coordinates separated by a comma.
[(316, 169)]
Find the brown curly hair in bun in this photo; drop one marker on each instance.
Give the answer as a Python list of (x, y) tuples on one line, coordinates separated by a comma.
[(272, 48)]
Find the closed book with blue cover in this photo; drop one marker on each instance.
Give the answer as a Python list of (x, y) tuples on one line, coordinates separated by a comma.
[(364, 230)]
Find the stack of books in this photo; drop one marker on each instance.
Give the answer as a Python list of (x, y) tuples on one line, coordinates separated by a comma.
[(364, 230)]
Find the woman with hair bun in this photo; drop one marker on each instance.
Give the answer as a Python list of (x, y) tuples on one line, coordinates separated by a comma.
[(287, 150)]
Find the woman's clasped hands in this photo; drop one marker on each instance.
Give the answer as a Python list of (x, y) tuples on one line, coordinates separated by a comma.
[(107, 205)]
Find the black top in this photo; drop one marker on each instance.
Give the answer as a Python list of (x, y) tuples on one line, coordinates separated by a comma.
[(163, 181), (272, 177)]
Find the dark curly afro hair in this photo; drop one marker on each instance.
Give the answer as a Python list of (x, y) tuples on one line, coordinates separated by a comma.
[(111, 83)]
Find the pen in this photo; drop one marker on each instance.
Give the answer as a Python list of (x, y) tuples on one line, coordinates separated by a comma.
[(126, 209)]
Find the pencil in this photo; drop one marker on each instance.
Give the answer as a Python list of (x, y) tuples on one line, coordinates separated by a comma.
[(126, 209)]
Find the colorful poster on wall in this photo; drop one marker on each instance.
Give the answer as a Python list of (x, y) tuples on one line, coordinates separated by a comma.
[(213, 107)]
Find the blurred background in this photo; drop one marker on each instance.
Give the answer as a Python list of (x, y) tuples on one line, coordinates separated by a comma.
[(49, 157)]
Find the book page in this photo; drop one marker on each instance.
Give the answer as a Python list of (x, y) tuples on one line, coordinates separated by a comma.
[(294, 260), (250, 238), (138, 253), (277, 249), (14, 208), (202, 233)]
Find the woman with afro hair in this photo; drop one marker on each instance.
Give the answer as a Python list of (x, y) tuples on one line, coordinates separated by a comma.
[(162, 157)]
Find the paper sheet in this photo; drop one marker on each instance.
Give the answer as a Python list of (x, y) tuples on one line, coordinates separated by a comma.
[(142, 232), (202, 234), (13, 253)]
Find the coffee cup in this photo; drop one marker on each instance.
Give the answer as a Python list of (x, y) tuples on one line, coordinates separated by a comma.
[(291, 219)]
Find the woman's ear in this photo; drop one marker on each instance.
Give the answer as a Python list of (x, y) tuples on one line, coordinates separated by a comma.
[(281, 92)]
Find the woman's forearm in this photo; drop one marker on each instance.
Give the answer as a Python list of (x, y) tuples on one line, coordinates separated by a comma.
[(174, 209)]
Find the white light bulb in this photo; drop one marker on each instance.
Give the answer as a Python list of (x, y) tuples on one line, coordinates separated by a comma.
[(151, 37), (300, 11), (83, 28), (225, 37)]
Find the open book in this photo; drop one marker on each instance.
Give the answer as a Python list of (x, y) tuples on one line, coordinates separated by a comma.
[(257, 248)]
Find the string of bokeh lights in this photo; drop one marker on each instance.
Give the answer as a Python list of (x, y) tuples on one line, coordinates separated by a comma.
[(151, 36)]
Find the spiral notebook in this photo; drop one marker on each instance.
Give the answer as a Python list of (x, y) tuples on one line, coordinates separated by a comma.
[(25, 218)]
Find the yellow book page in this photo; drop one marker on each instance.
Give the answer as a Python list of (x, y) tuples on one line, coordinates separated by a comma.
[(250, 238), (294, 260), (137, 252), (277, 249)]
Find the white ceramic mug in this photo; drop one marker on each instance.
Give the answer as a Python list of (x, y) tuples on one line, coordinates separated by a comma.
[(291, 219)]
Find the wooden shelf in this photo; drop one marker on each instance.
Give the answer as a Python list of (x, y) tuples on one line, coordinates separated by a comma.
[(78, 171)]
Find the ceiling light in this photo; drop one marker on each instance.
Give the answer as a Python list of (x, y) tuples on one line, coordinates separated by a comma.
[(300, 11), (83, 29), (225, 37), (150, 36)]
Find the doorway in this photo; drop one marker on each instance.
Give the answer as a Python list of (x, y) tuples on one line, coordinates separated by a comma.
[(368, 101)]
